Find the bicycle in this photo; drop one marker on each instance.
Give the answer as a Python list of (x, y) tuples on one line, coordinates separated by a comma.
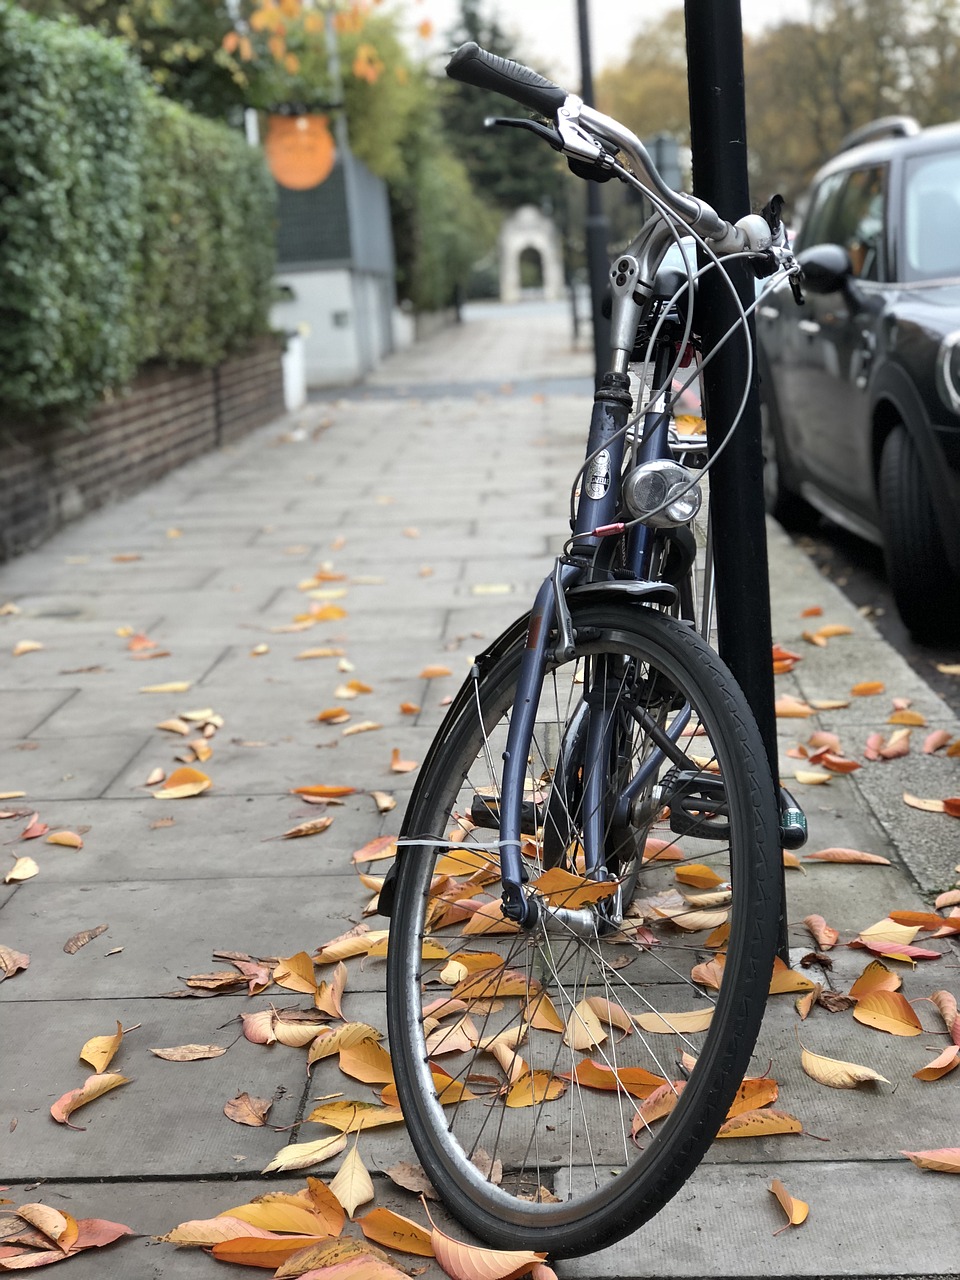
[(583, 938)]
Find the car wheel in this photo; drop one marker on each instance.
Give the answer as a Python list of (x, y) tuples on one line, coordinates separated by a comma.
[(782, 502), (924, 588)]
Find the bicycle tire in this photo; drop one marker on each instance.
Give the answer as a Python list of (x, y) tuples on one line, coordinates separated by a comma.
[(579, 1204)]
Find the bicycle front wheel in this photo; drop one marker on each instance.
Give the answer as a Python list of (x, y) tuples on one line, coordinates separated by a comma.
[(560, 1082)]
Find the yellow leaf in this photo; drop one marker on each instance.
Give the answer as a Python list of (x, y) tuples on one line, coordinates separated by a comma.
[(809, 778), (888, 1011), (398, 765), (888, 930), (785, 979), (698, 875), (26, 646), (796, 1210), (352, 1185), (22, 869), (93, 1087), (172, 686), (100, 1051), (296, 974), (211, 1231), (280, 1213), (183, 783), (672, 1023), (583, 1029), (327, 1043), (329, 995), (69, 839), (367, 1061), (760, 1123), (352, 1117), (300, 1155), (58, 1227), (542, 1015), (396, 1232), (561, 889), (837, 1074)]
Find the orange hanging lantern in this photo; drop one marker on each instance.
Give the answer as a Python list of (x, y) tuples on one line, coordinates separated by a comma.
[(300, 151)]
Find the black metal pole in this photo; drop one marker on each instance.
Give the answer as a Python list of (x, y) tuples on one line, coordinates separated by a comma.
[(598, 264), (718, 136)]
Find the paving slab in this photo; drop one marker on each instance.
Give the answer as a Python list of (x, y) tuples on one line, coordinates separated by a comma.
[(56, 768)]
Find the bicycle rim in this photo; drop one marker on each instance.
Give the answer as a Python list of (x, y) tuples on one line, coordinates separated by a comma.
[(560, 1083)]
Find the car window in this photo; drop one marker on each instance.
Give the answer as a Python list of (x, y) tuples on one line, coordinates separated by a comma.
[(931, 217), (849, 209)]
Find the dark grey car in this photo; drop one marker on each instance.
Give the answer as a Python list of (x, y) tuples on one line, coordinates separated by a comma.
[(860, 387)]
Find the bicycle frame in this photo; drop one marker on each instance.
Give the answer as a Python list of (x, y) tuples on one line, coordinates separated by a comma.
[(597, 509)]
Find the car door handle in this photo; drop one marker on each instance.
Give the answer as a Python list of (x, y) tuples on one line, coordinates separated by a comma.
[(768, 313), (809, 327)]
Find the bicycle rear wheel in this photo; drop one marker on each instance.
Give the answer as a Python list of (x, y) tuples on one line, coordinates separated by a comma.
[(560, 1083)]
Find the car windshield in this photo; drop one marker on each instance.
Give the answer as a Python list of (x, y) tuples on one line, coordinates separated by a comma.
[(932, 217)]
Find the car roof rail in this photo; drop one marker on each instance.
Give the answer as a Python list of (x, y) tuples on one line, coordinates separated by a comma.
[(885, 127)]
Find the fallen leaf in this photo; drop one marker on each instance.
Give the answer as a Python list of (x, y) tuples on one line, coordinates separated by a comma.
[(334, 715), (210, 1231), (888, 1011), (787, 707), (384, 801), (172, 686), (671, 1023), (875, 977), (837, 1074), (352, 1185), (26, 646), (395, 1231), (352, 1116), (809, 778), (805, 1003), (273, 1252), (796, 1210), (941, 1065), (942, 1160), (760, 1123), (311, 828), (346, 1259), (867, 688), (12, 962), (698, 875), (183, 783), (636, 1081), (935, 741), (100, 1051), (73, 945), (928, 920), (562, 889), (824, 935), (69, 839), (93, 1087), (847, 855), (786, 980), (409, 709), (324, 651), (329, 1042), (397, 765), (34, 829), (329, 994), (434, 672), (189, 1052), (244, 1109), (58, 1227), (301, 1155), (379, 847), (324, 792), (361, 726), (913, 718), (471, 1262), (22, 869)]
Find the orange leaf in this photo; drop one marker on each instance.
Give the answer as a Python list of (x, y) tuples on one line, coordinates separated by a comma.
[(788, 707), (847, 855), (597, 1075), (907, 717), (940, 1065), (875, 977), (832, 629), (379, 847), (785, 979), (759, 1123), (296, 973), (888, 1011), (182, 783), (812, 611), (329, 995), (943, 1159), (367, 1061), (868, 688), (434, 672), (397, 765), (311, 828), (396, 1232), (272, 1253), (698, 875), (470, 1262), (824, 935), (755, 1092), (327, 792), (561, 889), (926, 920), (796, 1210), (534, 1087)]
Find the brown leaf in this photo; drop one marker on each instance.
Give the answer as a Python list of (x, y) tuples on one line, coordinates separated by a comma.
[(12, 962), (847, 855), (189, 1052), (398, 765), (244, 1109), (412, 1178), (73, 945), (93, 1087), (384, 801)]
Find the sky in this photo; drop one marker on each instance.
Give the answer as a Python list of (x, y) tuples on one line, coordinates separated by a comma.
[(548, 28)]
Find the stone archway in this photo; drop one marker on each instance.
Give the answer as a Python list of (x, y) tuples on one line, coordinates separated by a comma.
[(529, 229)]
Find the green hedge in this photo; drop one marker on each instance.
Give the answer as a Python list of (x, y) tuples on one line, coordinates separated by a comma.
[(130, 230)]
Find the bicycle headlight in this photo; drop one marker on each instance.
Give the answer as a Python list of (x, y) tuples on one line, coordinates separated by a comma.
[(662, 493)]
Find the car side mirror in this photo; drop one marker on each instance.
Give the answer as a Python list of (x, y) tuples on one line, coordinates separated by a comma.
[(826, 268)]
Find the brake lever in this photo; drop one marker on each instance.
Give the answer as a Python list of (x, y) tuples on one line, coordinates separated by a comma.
[(543, 131), (772, 211)]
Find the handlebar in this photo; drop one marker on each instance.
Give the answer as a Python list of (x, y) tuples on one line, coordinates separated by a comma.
[(589, 135)]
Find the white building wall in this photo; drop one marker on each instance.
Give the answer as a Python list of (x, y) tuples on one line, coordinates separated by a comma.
[(344, 319)]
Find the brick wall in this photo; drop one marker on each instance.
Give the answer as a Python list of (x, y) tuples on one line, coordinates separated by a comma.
[(52, 474)]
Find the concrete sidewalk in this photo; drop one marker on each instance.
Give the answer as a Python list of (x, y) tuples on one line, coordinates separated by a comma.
[(440, 490)]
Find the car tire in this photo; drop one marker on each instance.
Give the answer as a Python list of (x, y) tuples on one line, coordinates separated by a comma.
[(924, 588), (781, 501)]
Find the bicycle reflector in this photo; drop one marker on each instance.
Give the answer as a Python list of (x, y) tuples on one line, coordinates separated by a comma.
[(662, 493)]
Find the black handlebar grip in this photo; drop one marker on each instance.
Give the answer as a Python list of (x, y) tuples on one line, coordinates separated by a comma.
[(473, 65)]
